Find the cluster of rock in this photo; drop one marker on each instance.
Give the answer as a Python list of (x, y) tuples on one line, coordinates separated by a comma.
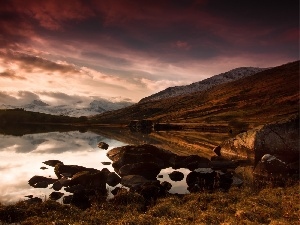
[(273, 147), (137, 168)]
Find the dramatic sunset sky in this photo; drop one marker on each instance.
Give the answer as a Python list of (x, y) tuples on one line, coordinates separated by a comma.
[(72, 51)]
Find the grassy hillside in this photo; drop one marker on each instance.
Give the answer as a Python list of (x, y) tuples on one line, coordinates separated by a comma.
[(264, 97), (238, 206)]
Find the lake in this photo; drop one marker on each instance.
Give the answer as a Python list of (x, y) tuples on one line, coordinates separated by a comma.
[(22, 156)]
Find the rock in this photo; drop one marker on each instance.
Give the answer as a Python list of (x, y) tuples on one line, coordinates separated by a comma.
[(269, 166), (103, 145), (90, 180), (281, 138), (113, 179), (42, 184), (29, 196), (176, 176), (217, 150), (147, 170), (60, 169), (202, 178), (56, 195), (73, 188), (57, 186), (40, 181), (130, 154), (136, 180), (166, 185), (52, 162)]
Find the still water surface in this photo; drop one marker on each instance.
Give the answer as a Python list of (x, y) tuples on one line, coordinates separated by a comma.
[(22, 157)]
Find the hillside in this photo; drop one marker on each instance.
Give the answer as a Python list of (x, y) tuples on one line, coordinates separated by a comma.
[(203, 85), (264, 97)]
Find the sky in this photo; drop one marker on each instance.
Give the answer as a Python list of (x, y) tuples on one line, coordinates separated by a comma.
[(73, 52)]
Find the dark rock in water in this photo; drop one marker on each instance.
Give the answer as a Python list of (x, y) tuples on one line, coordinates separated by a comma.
[(70, 169), (43, 168), (103, 145), (57, 186), (176, 176), (52, 162), (130, 154), (136, 180), (202, 178), (105, 171), (217, 150), (74, 188), (56, 195), (67, 199), (90, 180), (42, 184), (106, 163), (40, 181), (113, 179), (147, 170), (34, 200)]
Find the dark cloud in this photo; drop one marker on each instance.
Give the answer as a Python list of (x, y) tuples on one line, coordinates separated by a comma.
[(171, 31), (18, 99), (30, 62), (10, 74)]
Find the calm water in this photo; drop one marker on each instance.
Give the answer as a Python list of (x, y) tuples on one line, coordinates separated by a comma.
[(22, 157)]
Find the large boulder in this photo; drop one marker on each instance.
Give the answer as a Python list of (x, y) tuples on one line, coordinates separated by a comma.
[(149, 170), (40, 181), (176, 176), (130, 154), (61, 169), (281, 138), (132, 181), (113, 179)]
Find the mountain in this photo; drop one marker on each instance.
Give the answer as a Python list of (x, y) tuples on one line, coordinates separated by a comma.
[(94, 108), (263, 97), (203, 85)]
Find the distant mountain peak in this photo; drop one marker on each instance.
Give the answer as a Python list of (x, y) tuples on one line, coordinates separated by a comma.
[(39, 103), (205, 84)]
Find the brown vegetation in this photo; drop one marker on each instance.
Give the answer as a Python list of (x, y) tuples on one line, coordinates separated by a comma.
[(259, 99), (238, 206)]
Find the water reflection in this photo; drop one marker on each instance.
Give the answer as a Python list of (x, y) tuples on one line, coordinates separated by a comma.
[(22, 157)]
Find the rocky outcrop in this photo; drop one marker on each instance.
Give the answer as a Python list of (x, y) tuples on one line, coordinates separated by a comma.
[(281, 138)]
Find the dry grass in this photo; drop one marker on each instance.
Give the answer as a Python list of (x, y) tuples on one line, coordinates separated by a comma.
[(238, 206)]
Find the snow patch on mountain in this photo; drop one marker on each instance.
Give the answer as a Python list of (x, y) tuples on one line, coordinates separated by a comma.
[(94, 108), (203, 85)]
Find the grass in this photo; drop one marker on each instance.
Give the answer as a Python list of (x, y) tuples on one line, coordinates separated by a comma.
[(237, 206)]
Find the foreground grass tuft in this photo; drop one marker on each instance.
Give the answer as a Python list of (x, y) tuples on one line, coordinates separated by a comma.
[(238, 206)]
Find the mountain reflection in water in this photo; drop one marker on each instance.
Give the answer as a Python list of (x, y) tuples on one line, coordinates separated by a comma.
[(22, 156)]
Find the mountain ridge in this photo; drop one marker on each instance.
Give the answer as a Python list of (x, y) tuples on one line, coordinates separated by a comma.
[(263, 97), (205, 84)]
